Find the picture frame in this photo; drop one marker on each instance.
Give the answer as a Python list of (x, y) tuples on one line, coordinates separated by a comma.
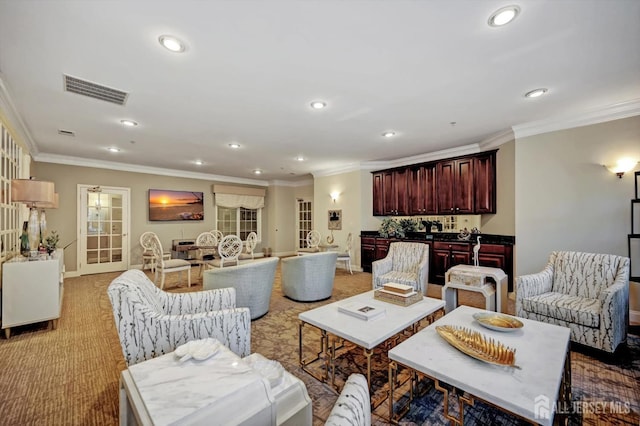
[(169, 205), (335, 220)]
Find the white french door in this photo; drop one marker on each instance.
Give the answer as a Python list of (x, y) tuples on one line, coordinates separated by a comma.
[(304, 224), (103, 234)]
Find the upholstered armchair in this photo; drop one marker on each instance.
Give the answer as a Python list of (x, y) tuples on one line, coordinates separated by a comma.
[(586, 292), (310, 277), (151, 322), (353, 406), (253, 282), (406, 263)]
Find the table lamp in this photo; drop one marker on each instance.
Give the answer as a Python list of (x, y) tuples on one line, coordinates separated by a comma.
[(32, 192)]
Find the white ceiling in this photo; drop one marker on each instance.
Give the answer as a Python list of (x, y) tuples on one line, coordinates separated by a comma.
[(252, 68)]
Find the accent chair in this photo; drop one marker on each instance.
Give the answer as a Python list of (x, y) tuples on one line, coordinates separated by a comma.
[(310, 277), (586, 292), (405, 263)]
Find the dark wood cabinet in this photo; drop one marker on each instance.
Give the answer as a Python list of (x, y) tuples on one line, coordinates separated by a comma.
[(445, 256), (395, 192), (378, 199), (463, 185), (455, 186), (484, 183), (422, 190)]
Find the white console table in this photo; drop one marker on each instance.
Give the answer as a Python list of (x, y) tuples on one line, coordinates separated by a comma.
[(32, 290), (495, 298)]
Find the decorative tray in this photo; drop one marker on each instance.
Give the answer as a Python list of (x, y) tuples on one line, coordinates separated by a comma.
[(498, 322), (478, 346)]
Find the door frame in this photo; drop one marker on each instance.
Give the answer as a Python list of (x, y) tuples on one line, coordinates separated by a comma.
[(83, 190), (297, 234)]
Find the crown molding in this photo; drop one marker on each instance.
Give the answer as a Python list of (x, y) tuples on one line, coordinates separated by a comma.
[(85, 162), (296, 183), (353, 167), (585, 118), (498, 139), (15, 123)]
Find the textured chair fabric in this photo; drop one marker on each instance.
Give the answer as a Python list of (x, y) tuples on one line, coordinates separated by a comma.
[(253, 282), (309, 278), (353, 406), (586, 292), (151, 322), (406, 263)]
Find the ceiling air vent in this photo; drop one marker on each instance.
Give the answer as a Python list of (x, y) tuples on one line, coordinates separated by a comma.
[(93, 90), (66, 132)]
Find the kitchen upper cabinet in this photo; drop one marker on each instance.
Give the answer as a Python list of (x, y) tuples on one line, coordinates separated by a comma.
[(395, 192), (455, 186), (378, 200), (422, 190), (484, 183)]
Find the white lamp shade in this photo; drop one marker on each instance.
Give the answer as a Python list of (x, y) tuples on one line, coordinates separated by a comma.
[(32, 191), (52, 205)]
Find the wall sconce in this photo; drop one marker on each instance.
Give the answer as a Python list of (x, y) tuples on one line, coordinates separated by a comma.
[(32, 192), (334, 196), (623, 166)]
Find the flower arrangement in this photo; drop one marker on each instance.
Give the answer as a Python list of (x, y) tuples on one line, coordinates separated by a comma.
[(52, 241), (391, 228)]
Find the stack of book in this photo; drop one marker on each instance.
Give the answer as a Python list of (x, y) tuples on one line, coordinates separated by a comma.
[(398, 294), (362, 310)]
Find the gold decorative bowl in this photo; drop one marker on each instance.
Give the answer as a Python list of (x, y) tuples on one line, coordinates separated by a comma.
[(478, 346), (498, 322)]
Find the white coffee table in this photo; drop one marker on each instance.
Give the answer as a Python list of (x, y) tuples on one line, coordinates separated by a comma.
[(163, 391), (363, 333), (542, 353)]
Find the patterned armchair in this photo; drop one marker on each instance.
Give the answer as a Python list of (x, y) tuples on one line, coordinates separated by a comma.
[(586, 292), (353, 407), (151, 322), (310, 277), (406, 263)]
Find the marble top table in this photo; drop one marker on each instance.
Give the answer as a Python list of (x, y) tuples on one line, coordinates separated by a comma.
[(365, 333), (541, 353), (164, 391)]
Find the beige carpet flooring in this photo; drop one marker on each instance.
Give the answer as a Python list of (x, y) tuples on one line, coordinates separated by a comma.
[(69, 376)]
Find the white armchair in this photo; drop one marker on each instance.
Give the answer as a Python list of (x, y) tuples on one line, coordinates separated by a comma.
[(151, 322), (253, 282), (406, 263), (310, 277), (586, 292)]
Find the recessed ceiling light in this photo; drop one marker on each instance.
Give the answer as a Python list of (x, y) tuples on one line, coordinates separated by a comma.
[(318, 104), (113, 149), (198, 162), (535, 93), (389, 134), (257, 172), (299, 158), (234, 145), (128, 123), (503, 16), (172, 43)]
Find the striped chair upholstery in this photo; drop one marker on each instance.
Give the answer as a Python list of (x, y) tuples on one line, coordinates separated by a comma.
[(353, 407), (586, 292), (406, 263)]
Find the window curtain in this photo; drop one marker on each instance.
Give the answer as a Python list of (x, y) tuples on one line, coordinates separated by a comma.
[(238, 196)]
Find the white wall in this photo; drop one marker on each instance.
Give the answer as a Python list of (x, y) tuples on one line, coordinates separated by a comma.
[(566, 200)]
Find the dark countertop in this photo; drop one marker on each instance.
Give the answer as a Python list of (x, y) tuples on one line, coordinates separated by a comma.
[(450, 236)]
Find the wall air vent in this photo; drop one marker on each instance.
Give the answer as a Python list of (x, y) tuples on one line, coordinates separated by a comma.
[(93, 90), (66, 132)]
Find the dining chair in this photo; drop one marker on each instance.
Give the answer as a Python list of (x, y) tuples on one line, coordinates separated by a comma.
[(313, 240), (219, 235), (229, 249), (207, 244), (148, 258), (250, 245), (166, 266), (346, 255)]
